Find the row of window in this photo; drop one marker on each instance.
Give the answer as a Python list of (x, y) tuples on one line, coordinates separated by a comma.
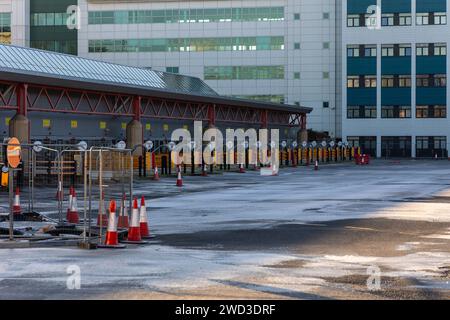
[(397, 81), (64, 46), (397, 50), (266, 98), (188, 44), (396, 112), (49, 19), (396, 19), (187, 15), (400, 146), (5, 22), (243, 72)]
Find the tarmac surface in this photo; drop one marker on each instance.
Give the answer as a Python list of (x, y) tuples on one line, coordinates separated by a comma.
[(343, 232)]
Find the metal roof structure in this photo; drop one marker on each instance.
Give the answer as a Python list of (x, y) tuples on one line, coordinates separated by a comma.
[(73, 67), (55, 69)]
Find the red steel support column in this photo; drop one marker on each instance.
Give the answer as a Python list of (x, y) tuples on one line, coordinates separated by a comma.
[(22, 105), (211, 115)]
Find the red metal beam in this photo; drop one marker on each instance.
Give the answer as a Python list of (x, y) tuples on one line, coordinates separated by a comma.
[(41, 98)]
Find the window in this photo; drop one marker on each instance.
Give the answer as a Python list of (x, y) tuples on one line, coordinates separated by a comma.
[(387, 112), (431, 112), (370, 81), (353, 21), (361, 112), (421, 111), (326, 45), (440, 18), (243, 72), (352, 51), (326, 16), (296, 75), (404, 81), (422, 81), (440, 80), (297, 46), (440, 49), (404, 19), (440, 111), (188, 44), (422, 19), (387, 19), (326, 104), (387, 51), (186, 15), (296, 16), (173, 69), (370, 51), (422, 50), (404, 112), (326, 75), (353, 112), (352, 82), (387, 81), (396, 50), (404, 50), (395, 112)]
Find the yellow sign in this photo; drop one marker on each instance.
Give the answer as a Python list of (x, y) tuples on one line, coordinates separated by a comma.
[(186, 127), (74, 124), (102, 125), (166, 127), (148, 126), (124, 125), (7, 120), (46, 123)]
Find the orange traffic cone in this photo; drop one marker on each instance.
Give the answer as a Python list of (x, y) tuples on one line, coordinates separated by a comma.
[(143, 220), (316, 165), (70, 200), (134, 231), (241, 168), (111, 233), (123, 214), (72, 213), (156, 175), (112, 237), (16, 206), (101, 212), (179, 178)]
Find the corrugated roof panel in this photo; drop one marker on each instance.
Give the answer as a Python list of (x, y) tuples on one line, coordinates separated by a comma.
[(72, 67)]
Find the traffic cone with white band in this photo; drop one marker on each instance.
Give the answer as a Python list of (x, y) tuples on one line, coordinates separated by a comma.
[(123, 214), (143, 220), (156, 174), (16, 206), (134, 231), (72, 214), (179, 178)]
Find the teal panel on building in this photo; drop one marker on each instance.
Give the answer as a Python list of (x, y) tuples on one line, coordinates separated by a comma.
[(51, 5), (361, 66), (49, 30), (396, 65), (396, 6), (431, 65), (362, 97), (431, 6), (359, 6), (396, 96), (431, 96)]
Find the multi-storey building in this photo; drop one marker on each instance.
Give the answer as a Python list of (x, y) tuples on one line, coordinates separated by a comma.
[(394, 82), (373, 70)]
